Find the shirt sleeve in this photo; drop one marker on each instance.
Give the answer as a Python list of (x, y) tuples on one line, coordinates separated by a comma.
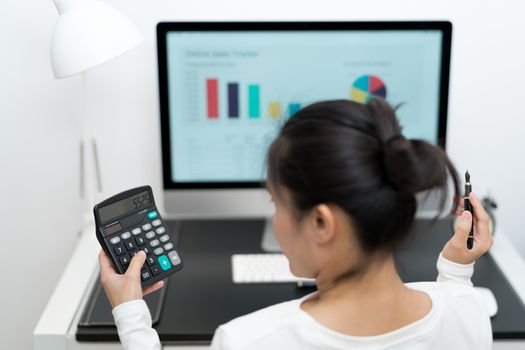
[(449, 271), (221, 340), (133, 321)]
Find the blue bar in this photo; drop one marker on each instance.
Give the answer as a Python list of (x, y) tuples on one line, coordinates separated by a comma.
[(233, 100), (254, 101), (293, 108)]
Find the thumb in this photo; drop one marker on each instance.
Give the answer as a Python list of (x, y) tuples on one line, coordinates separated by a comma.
[(136, 264), (463, 227)]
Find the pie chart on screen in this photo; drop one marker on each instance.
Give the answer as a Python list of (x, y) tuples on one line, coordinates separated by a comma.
[(366, 87)]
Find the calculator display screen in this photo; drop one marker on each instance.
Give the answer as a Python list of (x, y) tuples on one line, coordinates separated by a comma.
[(114, 210)]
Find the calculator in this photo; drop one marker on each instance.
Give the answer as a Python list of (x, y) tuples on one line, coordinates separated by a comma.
[(129, 222)]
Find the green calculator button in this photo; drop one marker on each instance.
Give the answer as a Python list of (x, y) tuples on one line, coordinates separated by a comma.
[(152, 215), (164, 262)]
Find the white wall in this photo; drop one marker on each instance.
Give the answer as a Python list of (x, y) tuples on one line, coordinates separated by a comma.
[(39, 126), (39, 160)]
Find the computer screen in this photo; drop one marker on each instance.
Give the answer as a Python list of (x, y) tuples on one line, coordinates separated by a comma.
[(227, 88)]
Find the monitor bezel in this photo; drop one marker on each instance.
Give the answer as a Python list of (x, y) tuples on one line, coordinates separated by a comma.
[(163, 28)]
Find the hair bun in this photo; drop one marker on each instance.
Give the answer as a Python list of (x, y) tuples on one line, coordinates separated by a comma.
[(393, 138), (414, 165)]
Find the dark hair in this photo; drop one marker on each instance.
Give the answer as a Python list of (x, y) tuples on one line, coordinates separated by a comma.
[(354, 156)]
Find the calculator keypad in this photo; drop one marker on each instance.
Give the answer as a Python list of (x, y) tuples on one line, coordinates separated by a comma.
[(164, 263), (140, 240), (119, 249), (162, 258), (145, 274), (150, 260), (155, 269), (174, 257), (130, 245), (125, 259), (158, 251)]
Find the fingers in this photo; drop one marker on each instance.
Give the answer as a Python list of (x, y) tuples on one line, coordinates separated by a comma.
[(136, 264), (106, 267), (460, 202), (460, 205), (484, 238), (103, 259), (463, 227), (479, 212), (153, 288)]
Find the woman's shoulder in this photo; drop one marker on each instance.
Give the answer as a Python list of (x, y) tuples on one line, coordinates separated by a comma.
[(259, 324), (454, 298), (443, 290)]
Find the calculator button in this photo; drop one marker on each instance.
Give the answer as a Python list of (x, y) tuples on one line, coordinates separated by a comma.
[(136, 231), (156, 222), (146, 227), (145, 274), (146, 249), (160, 230), (133, 252), (154, 243), (164, 238), (115, 240), (158, 251), (125, 235), (124, 259), (155, 269), (174, 258), (119, 249), (130, 245), (152, 215), (164, 262), (168, 246), (150, 261), (140, 240), (150, 235)]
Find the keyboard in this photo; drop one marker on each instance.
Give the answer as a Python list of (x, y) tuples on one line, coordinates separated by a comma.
[(264, 268)]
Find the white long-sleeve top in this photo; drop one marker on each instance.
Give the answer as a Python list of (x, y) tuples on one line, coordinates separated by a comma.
[(458, 319)]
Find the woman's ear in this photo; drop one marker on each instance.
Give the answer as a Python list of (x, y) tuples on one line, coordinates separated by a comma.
[(323, 223)]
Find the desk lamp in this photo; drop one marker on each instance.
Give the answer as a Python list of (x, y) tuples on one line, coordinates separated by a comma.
[(89, 33)]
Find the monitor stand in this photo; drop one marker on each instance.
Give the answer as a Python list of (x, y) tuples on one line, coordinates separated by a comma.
[(269, 243)]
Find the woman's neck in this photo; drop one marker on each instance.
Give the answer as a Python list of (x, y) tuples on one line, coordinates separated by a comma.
[(379, 274), (366, 303)]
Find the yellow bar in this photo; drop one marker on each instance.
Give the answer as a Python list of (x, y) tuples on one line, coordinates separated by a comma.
[(275, 110)]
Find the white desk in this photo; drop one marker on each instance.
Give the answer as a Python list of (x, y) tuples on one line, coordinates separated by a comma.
[(57, 326)]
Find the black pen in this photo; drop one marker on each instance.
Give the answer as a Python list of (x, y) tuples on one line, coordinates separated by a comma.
[(468, 206)]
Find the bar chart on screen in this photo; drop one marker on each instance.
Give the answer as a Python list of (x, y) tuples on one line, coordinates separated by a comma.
[(243, 100), (230, 93)]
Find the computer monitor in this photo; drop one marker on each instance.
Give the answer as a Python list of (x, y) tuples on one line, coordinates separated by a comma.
[(226, 88)]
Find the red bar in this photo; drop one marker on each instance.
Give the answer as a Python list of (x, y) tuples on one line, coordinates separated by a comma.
[(212, 94)]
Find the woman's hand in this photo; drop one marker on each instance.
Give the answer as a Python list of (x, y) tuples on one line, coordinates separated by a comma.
[(122, 288), (456, 249)]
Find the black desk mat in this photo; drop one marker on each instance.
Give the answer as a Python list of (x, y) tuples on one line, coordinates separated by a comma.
[(203, 296), (97, 312)]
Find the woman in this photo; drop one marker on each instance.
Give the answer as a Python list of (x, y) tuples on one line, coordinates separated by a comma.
[(344, 179)]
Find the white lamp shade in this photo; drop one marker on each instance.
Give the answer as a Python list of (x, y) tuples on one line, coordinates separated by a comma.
[(87, 34)]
